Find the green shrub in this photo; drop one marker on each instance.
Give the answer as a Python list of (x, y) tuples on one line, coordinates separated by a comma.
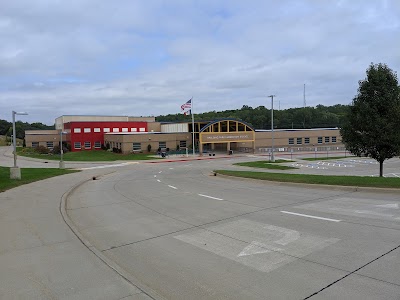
[(42, 150)]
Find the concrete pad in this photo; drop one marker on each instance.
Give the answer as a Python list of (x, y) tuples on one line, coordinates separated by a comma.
[(386, 268), (59, 271), (356, 245), (261, 246), (202, 274), (29, 233), (356, 287)]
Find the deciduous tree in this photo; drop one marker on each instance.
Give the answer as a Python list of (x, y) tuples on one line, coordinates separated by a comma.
[(372, 125)]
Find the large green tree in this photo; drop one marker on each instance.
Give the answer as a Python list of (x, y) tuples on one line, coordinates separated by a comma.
[(372, 125)]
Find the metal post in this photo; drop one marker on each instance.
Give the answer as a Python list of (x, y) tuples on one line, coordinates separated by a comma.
[(15, 172), (272, 126), (62, 163), (14, 139)]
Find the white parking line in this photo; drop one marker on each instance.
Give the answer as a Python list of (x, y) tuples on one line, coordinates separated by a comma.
[(173, 187), (211, 197), (309, 216)]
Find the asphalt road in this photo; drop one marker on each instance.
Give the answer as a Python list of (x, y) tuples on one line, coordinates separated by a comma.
[(184, 234)]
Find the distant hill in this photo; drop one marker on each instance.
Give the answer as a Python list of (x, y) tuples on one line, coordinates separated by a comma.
[(260, 117)]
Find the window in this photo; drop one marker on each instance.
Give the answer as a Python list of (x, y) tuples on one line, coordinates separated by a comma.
[(115, 129), (142, 129), (87, 145), (327, 139), (49, 145), (182, 144), (96, 130), (162, 145), (334, 139), (136, 146), (124, 129), (97, 145), (299, 141), (35, 144), (133, 129), (106, 129), (320, 140), (291, 141), (77, 145), (306, 140), (77, 130), (86, 130)]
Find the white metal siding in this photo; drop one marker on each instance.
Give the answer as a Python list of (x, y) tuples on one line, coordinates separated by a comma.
[(182, 127)]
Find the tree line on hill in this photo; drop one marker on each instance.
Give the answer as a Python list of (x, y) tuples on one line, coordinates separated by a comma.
[(20, 127), (260, 117)]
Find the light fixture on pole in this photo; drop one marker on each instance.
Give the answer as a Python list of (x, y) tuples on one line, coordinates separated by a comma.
[(62, 163), (272, 127), (15, 172)]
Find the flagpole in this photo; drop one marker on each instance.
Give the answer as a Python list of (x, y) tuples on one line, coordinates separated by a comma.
[(191, 110)]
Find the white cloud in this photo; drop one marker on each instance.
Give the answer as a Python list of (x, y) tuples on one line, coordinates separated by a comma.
[(136, 58)]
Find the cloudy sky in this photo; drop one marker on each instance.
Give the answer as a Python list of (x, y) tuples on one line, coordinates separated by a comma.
[(135, 57)]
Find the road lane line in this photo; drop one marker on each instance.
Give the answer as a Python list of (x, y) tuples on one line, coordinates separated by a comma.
[(158, 180), (173, 187), (211, 197), (309, 216)]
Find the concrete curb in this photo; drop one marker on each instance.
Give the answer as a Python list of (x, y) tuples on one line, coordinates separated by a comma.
[(316, 186), (188, 159), (110, 263)]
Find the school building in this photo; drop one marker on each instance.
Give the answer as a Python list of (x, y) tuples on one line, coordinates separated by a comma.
[(135, 134)]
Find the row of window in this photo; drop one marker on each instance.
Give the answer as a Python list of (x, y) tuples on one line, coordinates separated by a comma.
[(162, 145), (88, 130), (299, 140), (88, 145), (49, 145)]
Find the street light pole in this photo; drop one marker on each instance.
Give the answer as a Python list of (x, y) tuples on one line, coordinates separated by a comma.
[(15, 172), (272, 126), (62, 163)]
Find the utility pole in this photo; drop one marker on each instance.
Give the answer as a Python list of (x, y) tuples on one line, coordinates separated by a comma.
[(272, 127)]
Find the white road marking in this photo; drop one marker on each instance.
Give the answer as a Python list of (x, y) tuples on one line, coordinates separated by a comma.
[(394, 205), (171, 168), (173, 187), (160, 172), (255, 248), (211, 197), (158, 180), (227, 239), (155, 175), (108, 166), (309, 216)]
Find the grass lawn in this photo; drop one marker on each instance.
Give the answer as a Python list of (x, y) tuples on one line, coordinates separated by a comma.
[(28, 175), (324, 158), (265, 164), (93, 155), (379, 182)]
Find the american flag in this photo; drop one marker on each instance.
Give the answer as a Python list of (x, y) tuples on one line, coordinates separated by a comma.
[(187, 105)]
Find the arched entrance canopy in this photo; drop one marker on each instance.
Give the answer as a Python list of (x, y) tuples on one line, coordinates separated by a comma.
[(226, 131)]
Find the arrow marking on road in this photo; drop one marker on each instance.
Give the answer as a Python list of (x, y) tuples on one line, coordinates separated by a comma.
[(254, 248)]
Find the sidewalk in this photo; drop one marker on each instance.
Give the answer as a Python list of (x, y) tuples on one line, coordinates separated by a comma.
[(41, 258)]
